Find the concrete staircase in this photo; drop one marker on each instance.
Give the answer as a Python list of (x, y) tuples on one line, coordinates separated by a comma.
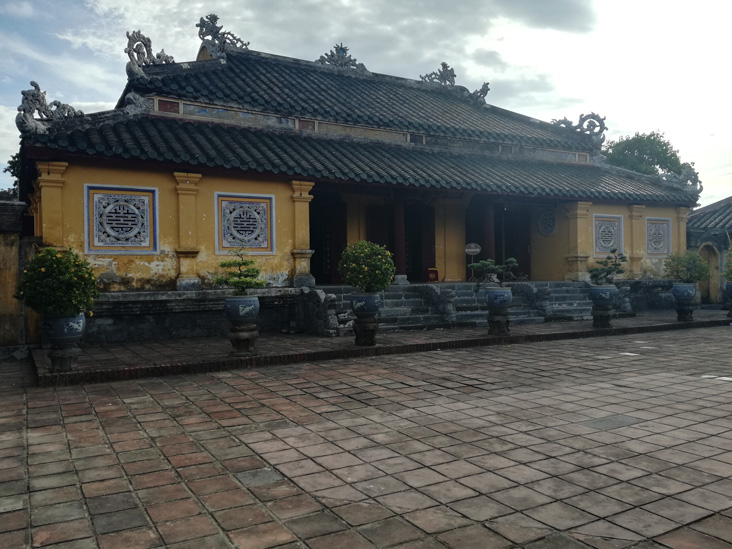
[(455, 305)]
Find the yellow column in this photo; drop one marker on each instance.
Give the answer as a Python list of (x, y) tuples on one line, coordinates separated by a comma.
[(302, 252), (450, 239), (187, 250), (679, 244), (51, 183), (637, 249), (580, 240)]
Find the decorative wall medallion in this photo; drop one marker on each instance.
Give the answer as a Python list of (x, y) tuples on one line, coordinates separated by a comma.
[(608, 234), (245, 221), (547, 222), (121, 220), (657, 236)]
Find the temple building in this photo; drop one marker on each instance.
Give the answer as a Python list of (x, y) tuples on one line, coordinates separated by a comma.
[(708, 233), (293, 159)]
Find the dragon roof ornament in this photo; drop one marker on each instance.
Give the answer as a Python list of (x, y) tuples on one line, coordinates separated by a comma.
[(339, 58), (215, 39), (479, 95), (139, 50), (688, 179), (445, 76), (591, 124), (34, 100)]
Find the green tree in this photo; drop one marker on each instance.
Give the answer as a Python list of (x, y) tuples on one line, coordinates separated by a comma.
[(648, 153), (13, 168)]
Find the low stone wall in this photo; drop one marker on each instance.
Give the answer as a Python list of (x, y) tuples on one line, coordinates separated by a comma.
[(151, 316), (649, 295)]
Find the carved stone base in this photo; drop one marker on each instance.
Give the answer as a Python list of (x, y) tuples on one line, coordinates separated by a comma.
[(498, 324), (684, 313), (365, 330), (64, 359), (244, 340), (601, 316), (188, 284)]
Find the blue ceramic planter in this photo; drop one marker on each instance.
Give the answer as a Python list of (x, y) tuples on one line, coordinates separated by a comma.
[(603, 295), (365, 305), (684, 293), (241, 309), (498, 299), (64, 331)]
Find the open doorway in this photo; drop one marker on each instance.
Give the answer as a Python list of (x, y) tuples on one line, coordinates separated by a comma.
[(709, 289)]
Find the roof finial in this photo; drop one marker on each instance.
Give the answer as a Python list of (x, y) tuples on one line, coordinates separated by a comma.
[(33, 101), (215, 39), (591, 124), (139, 50), (339, 58), (445, 75)]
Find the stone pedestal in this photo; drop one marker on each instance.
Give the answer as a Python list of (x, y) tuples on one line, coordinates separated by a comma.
[(601, 316), (244, 339), (365, 330), (684, 313), (64, 359), (498, 324)]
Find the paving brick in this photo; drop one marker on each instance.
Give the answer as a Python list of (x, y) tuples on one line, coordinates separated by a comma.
[(14, 520), (241, 517), (690, 539), (187, 528), (142, 538), (717, 526), (59, 512), (173, 510), (60, 532), (119, 520), (293, 507), (390, 532), (473, 537), (262, 536)]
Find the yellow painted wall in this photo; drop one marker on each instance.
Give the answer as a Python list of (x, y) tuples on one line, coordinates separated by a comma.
[(159, 271)]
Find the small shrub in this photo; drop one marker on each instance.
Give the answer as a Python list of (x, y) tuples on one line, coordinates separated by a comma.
[(240, 273), (687, 267), (367, 266), (57, 283), (608, 268)]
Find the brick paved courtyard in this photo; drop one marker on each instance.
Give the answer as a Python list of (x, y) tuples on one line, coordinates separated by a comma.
[(606, 442)]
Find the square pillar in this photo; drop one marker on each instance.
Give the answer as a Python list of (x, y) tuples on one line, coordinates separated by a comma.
[(450, 239), (187, 249), (302, 253), (637, 250), (50, 185), (580, 240), (679, 244)]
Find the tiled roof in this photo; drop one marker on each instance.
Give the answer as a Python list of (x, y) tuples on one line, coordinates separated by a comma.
[(714, 216), (290, 87), (194, 145)]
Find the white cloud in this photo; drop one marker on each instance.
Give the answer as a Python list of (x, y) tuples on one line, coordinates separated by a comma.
[(18, 9)]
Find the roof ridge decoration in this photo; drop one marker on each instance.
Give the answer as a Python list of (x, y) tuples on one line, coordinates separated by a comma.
[(139, 50), (591, 124), (215, 39), (688, 179), (339, 58), (445, 75), (33, 101), (479, 95)]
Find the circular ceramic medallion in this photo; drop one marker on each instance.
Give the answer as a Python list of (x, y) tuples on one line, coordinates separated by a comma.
[(122, 220)]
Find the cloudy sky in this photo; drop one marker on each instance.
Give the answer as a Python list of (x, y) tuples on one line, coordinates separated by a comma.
[(643, 64)]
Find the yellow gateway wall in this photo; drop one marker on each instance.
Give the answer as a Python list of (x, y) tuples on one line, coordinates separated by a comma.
[(584, 231), (145, 230)]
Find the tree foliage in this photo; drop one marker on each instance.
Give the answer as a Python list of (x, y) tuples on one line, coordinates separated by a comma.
[(13, 168), (648, 153)]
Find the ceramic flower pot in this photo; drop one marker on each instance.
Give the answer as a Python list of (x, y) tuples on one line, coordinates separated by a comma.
[(365, 305), (603, 295), (241, 309), (64, 331), (684, 293), (498, 299)]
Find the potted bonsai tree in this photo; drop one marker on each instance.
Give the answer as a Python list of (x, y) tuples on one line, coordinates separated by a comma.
[(603, 291), (241, 274), (62, 287), (498, 298), (370, 268), (689, 269)]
